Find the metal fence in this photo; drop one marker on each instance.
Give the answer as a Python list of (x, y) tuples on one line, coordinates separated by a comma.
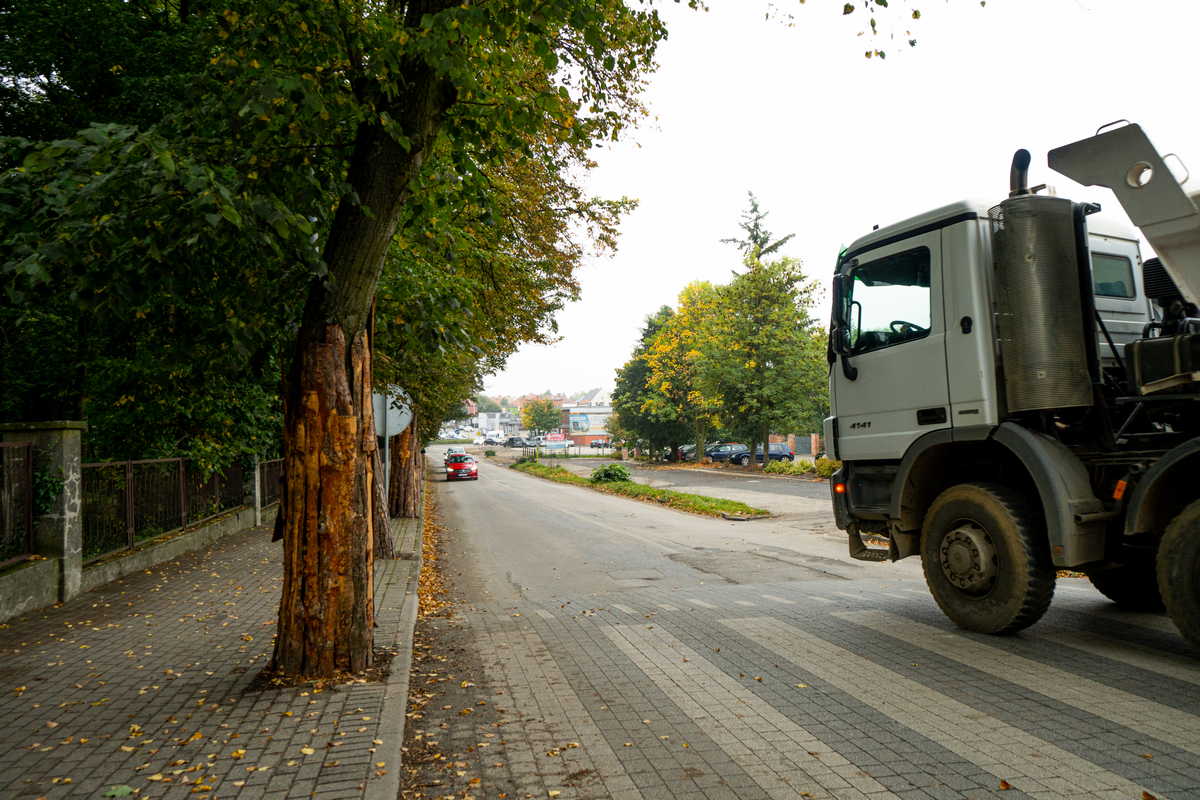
[(16, 501), (270, 475), (125, 502)]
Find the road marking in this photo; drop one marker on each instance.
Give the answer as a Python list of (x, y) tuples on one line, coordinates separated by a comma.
[(667, 607), (1116, 705), (1181, 668), (745, 603), (701, 603), (897, 595), (780, 755), (818, 599), (1030, 764), (543, 613), (536, 688), (620, 607), (783, 600)]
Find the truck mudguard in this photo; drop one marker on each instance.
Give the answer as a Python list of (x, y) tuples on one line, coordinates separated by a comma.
[(1145, 512), (938, 438), (1074, 515)]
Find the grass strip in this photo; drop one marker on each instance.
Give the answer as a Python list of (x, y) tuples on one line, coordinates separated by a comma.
[(574, 455), (682, 501)]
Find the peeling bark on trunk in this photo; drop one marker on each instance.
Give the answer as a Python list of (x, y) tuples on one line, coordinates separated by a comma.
[(326, 612)]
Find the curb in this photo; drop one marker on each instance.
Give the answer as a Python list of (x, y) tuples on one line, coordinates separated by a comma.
[(400, 595), (731, 473)]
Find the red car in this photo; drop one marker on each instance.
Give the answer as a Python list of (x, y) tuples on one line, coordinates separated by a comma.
[(461, 467)]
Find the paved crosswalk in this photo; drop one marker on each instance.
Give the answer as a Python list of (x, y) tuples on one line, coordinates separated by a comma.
[(857, 693)]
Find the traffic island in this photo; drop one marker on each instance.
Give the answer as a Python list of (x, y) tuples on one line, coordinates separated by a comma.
[(681, 501)]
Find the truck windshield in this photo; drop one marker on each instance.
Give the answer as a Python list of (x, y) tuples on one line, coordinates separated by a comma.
[(889, 301)]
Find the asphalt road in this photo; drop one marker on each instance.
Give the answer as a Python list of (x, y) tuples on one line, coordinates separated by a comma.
[(609, 648)]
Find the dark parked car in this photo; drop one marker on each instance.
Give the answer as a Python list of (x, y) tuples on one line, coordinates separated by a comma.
[(599, 443), (778, 452), (724, 451), (515, 441), (461, 467)]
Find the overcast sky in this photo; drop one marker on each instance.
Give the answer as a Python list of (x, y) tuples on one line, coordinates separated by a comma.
[(833, 143)]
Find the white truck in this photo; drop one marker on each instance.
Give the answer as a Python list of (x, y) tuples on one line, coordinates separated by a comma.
[(1013, 393)]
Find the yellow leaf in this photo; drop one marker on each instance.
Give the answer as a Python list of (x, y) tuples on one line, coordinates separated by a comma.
[(308, 751)]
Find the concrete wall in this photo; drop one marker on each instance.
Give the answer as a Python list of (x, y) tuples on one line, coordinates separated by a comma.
[(171, 546), (29, 586)]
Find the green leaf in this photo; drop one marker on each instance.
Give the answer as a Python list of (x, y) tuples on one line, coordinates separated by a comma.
[(230, 213), (119, 790), (847, 9)]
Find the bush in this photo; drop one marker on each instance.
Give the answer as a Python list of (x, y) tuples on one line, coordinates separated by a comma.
[(826, 466), (610, 473), (823, 467), (489, 452)]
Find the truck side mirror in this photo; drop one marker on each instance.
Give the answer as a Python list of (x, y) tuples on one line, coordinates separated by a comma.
[(839, 331)]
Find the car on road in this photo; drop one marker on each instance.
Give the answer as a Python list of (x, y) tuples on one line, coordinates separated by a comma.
[(778, 451), (461, 467), (515, 441), (455, 450), (599, 443)]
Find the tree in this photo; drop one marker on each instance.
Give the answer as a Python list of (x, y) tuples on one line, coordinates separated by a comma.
[(636, 418), (486, 405), (674, 359), (766, 361), (540, 415), (758, 238)]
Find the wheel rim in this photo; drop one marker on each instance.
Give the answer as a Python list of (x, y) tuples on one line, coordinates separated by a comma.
[(968, 558)]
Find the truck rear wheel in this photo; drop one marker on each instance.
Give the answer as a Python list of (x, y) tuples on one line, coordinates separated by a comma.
[(985, 558), (1132, 586), (1179, 571)]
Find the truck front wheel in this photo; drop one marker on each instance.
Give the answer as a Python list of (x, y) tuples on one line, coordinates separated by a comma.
[(986, 559), (1179, 571)]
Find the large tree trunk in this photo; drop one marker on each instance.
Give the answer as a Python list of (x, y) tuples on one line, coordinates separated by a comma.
[(326, 612)]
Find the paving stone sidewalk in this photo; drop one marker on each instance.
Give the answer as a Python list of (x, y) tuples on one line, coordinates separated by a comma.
[(147, 683)]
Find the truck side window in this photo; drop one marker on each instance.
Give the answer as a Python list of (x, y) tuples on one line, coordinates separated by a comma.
[(1112, 276), (889, 301)]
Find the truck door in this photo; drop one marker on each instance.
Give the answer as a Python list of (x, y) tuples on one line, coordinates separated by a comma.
[(893, 314)]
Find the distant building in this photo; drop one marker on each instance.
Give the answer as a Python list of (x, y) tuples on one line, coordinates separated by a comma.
[(587, 422), (504, 421)]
